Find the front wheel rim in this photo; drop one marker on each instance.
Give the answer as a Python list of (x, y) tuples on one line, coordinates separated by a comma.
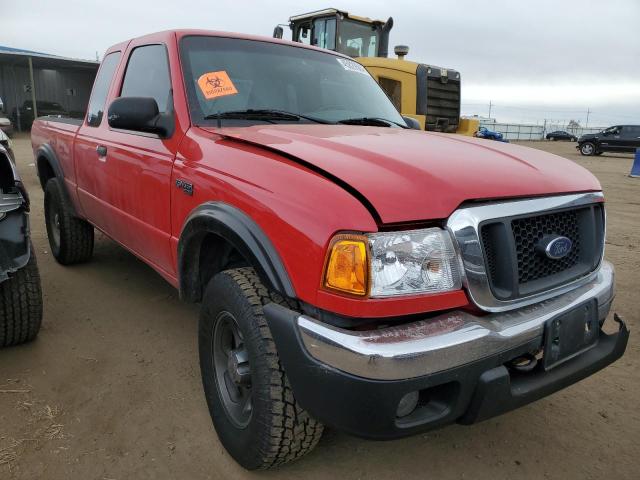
[(230, 363), (587, 149), (54, 224)]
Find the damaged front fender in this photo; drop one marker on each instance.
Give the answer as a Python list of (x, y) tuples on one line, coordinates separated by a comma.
[(15, 247)]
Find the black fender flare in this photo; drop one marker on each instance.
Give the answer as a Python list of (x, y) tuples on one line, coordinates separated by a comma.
[(49, 154), (46, 151), (242, 233)]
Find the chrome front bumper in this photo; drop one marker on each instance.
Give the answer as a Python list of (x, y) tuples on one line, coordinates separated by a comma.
[(445, 341)]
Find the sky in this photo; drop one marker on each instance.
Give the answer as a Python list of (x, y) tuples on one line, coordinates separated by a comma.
[(551, 60)]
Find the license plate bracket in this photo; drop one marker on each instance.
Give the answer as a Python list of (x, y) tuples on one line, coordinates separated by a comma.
[(570, 334)]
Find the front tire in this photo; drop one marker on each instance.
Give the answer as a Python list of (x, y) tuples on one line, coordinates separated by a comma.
[(21, 305), (250, 400), (70, 238), (587, 149)]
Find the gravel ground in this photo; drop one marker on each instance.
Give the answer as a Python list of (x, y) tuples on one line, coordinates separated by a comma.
[(111, 388)]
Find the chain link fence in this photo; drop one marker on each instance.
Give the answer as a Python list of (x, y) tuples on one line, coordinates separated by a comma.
[(523, 131)]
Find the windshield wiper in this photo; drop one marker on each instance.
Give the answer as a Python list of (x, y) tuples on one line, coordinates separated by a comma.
[(268, 115), (371, 121)]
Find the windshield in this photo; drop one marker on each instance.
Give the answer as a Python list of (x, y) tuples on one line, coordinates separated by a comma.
[(358, 39), (232, 75)]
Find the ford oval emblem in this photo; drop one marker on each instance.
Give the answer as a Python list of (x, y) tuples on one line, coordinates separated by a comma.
[(556, 246)]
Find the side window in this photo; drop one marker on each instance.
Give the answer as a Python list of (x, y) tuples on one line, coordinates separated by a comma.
[(324, 33), (393, 89), (330, 39), (95, 111), (304, 34), (318, 33), (147, 75)]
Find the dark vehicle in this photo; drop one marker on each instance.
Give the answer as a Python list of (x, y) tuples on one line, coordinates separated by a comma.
[(619, 138), (23, 117), (20, 292), (5, 142), (5, 124), (561, 135)]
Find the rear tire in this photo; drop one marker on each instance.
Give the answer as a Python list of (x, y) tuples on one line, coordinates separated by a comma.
[(70, 238), (587, 149), (21, 305), (250, 400)]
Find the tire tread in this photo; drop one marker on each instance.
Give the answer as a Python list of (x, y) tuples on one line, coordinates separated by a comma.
[(21, 305), (293, 432), (76, 234)]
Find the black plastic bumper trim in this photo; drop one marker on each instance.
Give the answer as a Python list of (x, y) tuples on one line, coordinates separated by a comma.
[(466, 394)]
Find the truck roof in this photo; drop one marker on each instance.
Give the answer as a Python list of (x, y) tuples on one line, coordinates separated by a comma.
[(181, 33)]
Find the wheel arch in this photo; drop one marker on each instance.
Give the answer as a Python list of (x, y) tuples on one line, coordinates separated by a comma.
[(217, 236), (48, 167)]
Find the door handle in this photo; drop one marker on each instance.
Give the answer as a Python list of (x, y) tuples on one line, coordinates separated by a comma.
[(101, 150)]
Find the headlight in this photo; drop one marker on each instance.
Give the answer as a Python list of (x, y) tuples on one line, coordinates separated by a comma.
[(397, 263)]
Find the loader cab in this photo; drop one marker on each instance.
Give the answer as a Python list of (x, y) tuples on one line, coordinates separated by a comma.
[(341, 32)]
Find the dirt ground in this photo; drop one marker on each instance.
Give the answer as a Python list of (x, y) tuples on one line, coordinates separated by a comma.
[(111, 388)]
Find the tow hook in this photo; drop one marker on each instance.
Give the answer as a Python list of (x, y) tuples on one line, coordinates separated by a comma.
[(523, 363)]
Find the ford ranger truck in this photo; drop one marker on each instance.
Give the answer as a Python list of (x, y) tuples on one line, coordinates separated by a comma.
[(20, 290), (352, 272)]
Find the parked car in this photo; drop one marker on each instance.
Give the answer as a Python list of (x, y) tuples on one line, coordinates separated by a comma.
[(561, 135), (484, 132), (352, 272), (619, 138), (24, 117), (5, 125), (7, 144), (20, 291)]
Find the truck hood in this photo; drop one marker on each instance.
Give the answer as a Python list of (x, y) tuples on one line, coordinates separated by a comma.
[(410, 175)]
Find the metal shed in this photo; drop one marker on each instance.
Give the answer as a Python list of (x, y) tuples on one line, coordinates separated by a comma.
[(29, 80)]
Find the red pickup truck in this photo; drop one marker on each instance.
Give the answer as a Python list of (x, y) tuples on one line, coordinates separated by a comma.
[(353, 272)]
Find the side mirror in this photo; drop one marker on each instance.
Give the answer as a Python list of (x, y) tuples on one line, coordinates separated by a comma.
[(139, 114), (412, 123), (278, 32)]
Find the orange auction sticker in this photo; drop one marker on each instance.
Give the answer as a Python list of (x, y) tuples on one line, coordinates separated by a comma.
[(216, 84)]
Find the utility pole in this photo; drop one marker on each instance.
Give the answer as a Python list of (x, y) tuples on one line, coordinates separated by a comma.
[(586, 124), (33, 89), (490, 105)]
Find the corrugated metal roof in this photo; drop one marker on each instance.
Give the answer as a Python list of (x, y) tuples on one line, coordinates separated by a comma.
[(21, 51), (18, 52)]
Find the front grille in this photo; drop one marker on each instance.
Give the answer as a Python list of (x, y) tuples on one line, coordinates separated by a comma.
[(527, 232), (443, 104), (517, 268)]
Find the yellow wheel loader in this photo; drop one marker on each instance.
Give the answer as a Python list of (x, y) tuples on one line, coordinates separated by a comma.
[(427, 93)]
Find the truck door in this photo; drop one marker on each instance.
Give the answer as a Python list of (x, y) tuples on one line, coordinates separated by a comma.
[(611, 140), (630, 138), (125, 186)]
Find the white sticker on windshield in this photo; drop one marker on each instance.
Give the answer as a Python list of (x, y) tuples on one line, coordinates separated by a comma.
[(352, 66)]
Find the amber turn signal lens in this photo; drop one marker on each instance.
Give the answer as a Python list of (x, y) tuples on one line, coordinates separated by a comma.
[(347, 265)]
